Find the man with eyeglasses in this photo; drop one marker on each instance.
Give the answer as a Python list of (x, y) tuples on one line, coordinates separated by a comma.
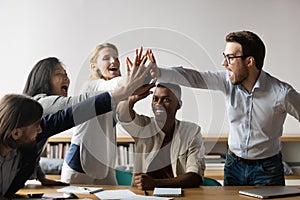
[(257, 105)]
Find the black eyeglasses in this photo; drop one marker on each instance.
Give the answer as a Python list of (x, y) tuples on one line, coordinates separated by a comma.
[(228, 58)]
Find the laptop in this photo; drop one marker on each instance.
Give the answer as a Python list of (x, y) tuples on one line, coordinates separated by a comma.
[(265, 193)]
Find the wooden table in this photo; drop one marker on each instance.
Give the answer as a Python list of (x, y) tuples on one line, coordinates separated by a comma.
[(202, 193)]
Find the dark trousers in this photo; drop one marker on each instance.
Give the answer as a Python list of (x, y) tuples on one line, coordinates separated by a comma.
[(267, 171)]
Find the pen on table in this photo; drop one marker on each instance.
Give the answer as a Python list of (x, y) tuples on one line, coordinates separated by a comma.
[(95, 191), (145, 192)]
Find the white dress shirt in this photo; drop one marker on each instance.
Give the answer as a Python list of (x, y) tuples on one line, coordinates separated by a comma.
[(256, 119), (97, 137)]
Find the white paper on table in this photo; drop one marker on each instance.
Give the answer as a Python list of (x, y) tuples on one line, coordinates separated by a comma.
[(125, 195), (115, 194), (138, 197), (78, 190)]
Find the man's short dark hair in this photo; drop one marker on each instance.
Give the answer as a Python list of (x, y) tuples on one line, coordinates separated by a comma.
[(251, 44)]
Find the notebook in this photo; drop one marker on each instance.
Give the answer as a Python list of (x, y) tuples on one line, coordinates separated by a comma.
[(167, 192), (265, 193)]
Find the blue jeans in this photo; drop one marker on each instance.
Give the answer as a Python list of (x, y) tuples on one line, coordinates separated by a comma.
[(263, 172)]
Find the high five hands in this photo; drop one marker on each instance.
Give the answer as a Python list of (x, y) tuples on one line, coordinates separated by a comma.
[(141, 59)]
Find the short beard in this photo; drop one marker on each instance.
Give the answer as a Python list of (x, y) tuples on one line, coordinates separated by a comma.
[(239, 80), (26, 145)]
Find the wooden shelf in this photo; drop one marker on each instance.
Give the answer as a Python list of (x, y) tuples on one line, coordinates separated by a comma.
[(66, 137), (215, 174), (290, 138), (221, 138), (124, 139), (61, 137), (215, 138), (53, 176), (224, 138)]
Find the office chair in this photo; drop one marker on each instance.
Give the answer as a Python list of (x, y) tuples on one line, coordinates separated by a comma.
[(210, 182), (123, 177)]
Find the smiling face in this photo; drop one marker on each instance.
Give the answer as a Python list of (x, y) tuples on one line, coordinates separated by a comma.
[(238, 69), (108, 63), (164, 105), (28, 134), (20, 121), (59, 81)]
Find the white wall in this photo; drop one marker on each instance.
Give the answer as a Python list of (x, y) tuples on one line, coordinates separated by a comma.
[(189, 33)]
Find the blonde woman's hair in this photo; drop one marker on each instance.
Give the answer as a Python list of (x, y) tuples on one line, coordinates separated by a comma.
[(95, 54)]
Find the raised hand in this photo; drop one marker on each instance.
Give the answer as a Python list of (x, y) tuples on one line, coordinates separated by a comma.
[(141, 93), (139, 59), (49, 182), (137, 75), (154, 72)]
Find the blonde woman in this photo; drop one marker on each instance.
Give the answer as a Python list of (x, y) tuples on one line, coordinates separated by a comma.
[(92, 154)]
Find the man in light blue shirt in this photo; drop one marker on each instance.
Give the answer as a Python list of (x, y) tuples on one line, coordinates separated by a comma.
[(257, 105)]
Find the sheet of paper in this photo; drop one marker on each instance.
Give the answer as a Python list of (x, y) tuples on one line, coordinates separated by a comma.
[(115, 194), (79, 190), (125, 195), (137, 197), (59, 196)]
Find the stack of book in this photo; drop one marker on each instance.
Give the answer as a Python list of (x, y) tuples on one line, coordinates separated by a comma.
[(57, 150), (125, 154), (215, 161)]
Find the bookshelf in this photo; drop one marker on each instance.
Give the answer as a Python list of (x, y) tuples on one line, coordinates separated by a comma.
[(66, 137), (61, 137), (58, 145), (213, 144)]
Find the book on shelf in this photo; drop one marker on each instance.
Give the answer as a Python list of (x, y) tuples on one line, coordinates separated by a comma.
[(214, 166), (215, 161), (56, 150), (125, 154), (215, 158), (131, 150)]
